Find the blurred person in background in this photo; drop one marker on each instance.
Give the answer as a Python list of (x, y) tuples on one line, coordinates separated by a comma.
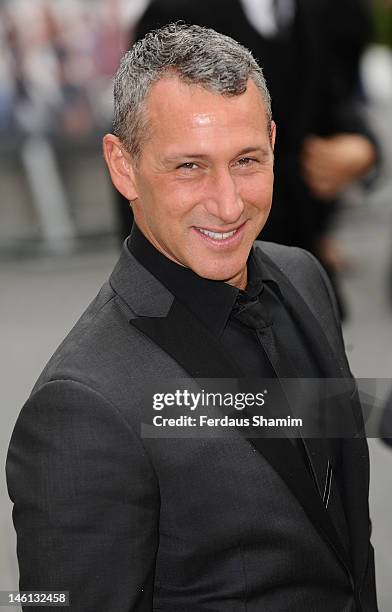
[(60, 56), (62, 61), (310, 51), (56, 66)]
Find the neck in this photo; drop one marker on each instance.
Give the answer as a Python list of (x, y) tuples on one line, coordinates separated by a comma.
[(240, 280)]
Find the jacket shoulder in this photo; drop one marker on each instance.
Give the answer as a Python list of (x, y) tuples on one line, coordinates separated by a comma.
[(293, 262), (285, 257)]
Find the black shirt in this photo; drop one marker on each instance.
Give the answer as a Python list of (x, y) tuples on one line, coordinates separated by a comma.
[(214, 304)]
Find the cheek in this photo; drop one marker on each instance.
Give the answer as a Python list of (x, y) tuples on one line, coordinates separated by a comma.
[(182, 198), (170, 209), (257, 192), (156, 200)]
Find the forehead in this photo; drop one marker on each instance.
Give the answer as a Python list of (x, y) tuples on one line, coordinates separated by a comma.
[(175, 108)]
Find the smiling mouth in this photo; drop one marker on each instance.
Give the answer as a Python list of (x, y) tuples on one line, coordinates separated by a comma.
[(218, 235)]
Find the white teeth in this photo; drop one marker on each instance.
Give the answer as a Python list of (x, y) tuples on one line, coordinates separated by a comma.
[(215, 235)]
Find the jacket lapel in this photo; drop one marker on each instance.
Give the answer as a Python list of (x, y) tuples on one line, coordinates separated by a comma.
[(328, 358), (158, 315), (182, 337)]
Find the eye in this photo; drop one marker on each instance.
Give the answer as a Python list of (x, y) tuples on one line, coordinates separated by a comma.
[(245, 162), (187, 166)]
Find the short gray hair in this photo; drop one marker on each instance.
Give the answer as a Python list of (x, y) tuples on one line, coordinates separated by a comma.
[(197, 55)]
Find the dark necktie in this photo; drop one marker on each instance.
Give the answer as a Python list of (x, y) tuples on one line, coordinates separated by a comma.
[(249, 311), (254, 309)]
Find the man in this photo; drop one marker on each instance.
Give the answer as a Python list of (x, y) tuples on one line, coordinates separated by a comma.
[(130, 522)]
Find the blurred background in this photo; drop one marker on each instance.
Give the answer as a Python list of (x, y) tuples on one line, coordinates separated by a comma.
[(61, 223)]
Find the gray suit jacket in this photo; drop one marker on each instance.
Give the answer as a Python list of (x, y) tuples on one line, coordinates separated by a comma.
[(216, 524)]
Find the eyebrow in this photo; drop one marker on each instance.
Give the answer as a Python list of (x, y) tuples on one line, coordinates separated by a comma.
[(181, 156), (264, 151)]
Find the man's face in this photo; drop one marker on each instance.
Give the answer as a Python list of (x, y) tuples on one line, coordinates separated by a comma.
[(204, 179)]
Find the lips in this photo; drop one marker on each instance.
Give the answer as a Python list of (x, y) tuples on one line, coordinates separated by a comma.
[(223, 238), (217, 235)]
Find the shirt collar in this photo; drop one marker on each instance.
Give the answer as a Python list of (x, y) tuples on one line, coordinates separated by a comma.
[(209, 300)]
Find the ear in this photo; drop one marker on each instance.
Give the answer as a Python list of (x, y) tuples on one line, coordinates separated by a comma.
[(273, 134), (120, 166)]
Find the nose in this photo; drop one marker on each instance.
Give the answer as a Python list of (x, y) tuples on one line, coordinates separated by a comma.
[(223, 198)]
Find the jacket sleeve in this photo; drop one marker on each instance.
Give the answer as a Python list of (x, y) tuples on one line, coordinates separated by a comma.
[(85, 499)]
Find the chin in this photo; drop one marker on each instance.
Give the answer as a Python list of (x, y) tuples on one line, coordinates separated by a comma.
[(221, 273)]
